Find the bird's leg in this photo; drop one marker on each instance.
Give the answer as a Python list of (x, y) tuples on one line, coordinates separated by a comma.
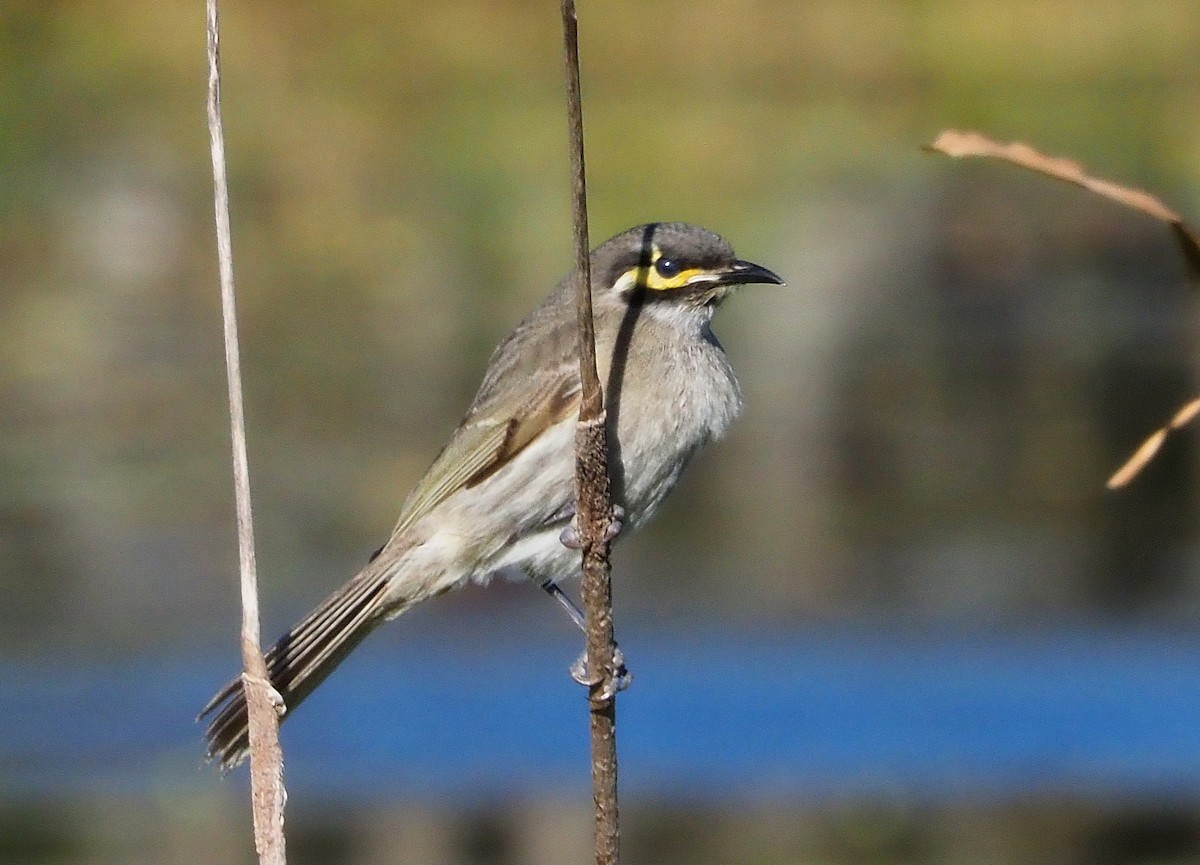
[(552, 589), (579, 669), (570, 538)]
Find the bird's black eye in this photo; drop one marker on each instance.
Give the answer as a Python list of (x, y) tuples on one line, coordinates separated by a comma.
[(667, 267)]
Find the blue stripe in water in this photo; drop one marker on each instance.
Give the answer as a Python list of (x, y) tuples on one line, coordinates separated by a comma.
[(726, 715)]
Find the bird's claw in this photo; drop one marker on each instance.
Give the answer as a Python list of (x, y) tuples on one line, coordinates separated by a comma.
[(572, 540), (620, 680)]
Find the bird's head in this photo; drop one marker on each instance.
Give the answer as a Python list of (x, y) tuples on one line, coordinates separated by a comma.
[(672, 263)]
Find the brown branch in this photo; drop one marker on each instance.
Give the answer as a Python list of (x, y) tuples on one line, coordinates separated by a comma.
[(959, 144), (592, 489), (1150, 446), (266, 760)]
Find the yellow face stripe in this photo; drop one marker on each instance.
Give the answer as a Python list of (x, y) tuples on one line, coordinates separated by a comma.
[(655, 281)]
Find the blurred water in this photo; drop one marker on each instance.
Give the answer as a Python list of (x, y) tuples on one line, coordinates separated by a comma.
[(715, 715)]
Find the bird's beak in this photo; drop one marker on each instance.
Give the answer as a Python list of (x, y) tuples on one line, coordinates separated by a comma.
[(740, 273), (747, 272)]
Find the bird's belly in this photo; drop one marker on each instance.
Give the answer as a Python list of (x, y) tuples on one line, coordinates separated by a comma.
[(539, 554), (663, 424), (512, 520)]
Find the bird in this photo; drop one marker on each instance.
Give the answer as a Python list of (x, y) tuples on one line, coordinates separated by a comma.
[(499, 497)]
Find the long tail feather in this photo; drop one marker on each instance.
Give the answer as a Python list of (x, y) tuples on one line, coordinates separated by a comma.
[(299, 661)]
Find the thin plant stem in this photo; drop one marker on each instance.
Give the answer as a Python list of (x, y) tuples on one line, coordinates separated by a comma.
[(593, 493), (266, 759)]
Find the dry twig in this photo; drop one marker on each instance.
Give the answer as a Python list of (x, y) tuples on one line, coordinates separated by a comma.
[(959, 144), (1150, 446), (593, 496), (266, 759)]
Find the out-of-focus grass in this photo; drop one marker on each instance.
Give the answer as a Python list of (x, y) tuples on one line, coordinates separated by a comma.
[(399, 199)]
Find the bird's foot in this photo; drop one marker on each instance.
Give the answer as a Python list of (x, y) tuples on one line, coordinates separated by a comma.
[(572, 540), (273, 696), (621, 679)]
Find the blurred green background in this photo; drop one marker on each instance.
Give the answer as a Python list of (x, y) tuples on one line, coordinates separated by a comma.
[(963, 353)]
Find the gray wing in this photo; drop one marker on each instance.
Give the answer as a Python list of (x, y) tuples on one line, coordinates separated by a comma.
[(512, 408)]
